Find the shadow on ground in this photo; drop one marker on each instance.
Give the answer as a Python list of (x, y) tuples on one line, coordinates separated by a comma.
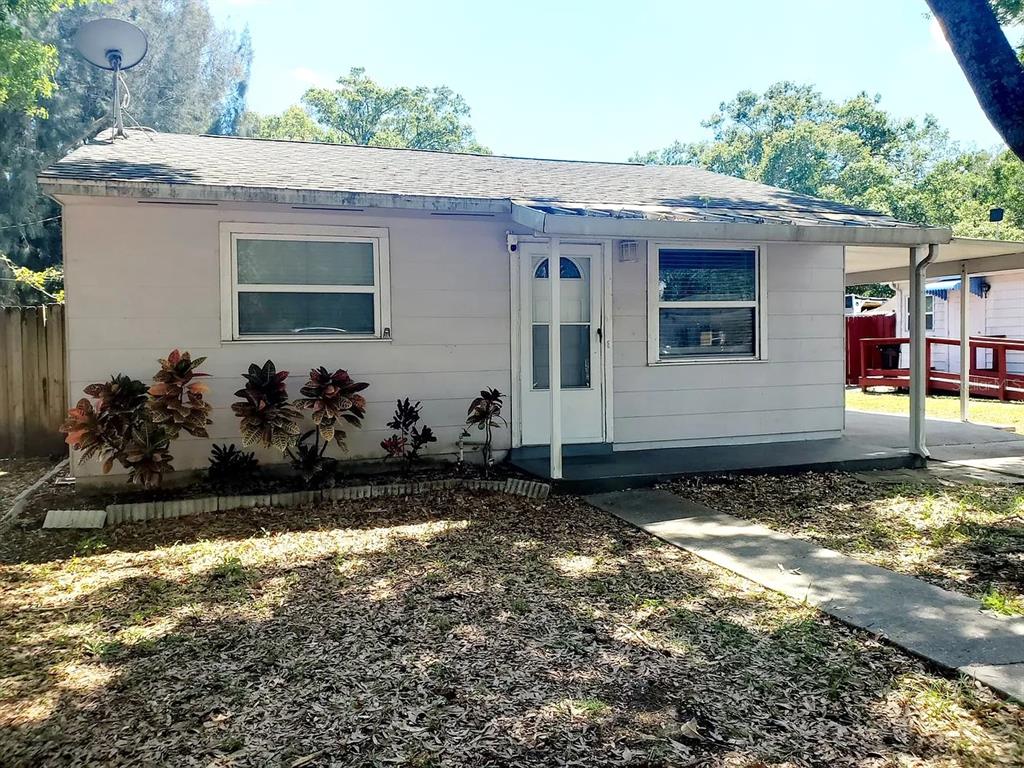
[(459, 629)]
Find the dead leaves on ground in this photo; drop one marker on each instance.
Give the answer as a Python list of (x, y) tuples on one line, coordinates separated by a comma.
[(460, 629)]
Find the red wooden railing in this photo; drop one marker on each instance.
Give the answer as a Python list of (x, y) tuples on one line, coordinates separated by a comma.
[(994, 381)]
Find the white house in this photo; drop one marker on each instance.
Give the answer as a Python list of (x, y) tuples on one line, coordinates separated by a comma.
[(695, 309), (995, 308)]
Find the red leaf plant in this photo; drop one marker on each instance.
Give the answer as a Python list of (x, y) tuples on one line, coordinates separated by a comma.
[(117, 427), (267, 417), (177, 399)]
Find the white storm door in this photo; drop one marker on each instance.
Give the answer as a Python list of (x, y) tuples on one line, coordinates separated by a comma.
[(581, 294)]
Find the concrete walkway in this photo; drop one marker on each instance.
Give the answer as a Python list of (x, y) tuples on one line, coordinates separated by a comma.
[(945, 627)]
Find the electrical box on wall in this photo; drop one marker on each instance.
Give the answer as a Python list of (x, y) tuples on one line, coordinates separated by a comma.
[(629, 250)]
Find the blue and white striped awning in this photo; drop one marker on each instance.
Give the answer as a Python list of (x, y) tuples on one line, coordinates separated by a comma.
[(941, 288)]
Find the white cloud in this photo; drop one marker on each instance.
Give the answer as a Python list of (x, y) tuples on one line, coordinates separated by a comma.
[(311, 77)]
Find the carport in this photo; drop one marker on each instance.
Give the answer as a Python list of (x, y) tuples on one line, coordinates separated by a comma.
[(959, 257)]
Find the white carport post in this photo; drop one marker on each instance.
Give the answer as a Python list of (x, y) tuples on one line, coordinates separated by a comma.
[(965, 346), (555, 354), (920, 258)]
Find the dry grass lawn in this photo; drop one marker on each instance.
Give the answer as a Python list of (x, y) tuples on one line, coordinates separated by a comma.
[(967, 538), (454, 630)]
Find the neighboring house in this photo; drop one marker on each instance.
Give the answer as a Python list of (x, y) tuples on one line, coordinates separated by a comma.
[(696, 309), (856, 305), (995, 308)]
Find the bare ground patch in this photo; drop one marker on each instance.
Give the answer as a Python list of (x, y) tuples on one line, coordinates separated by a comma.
[(18, 474), (460, 629)]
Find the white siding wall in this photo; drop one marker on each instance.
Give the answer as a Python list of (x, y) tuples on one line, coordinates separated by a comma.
[(1005, 313), (797, 393), (977, 309), (142, 279)]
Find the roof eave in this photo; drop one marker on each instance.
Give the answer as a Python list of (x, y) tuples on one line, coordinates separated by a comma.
[(59, 186), (587, 226)]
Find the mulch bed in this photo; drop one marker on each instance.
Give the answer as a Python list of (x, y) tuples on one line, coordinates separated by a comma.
[(457, 629), (272, 480), (964, 537)]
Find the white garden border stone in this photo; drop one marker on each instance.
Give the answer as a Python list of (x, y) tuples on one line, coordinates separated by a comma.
[(173, 508), (21, 500)]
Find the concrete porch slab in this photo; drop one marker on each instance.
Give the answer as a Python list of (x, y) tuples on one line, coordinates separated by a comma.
[(893, 430), (968, 445), (945, 627), (635, 469), (873, 441)]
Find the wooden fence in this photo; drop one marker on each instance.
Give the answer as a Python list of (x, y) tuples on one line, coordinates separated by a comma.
[(33, 388), (864, 327)]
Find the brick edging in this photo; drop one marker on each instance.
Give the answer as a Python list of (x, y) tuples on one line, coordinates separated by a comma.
[(174, 508)]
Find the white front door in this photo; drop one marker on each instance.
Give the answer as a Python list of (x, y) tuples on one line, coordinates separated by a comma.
[(581, 294)]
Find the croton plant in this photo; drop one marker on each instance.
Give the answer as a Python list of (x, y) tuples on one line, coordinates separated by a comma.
[(333, 398), (128, 423), (485, 414), (177, 399), (267, 417), (409, 438)]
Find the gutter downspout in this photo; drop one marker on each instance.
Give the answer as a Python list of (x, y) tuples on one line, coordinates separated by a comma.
[(965, 346), (919, 261)]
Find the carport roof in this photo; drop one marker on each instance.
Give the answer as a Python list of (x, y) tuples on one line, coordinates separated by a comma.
[(873, 264)]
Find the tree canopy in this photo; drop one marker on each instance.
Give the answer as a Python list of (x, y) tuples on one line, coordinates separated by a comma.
[(362, 111), (27, 64), (853, 151), (194, 74)]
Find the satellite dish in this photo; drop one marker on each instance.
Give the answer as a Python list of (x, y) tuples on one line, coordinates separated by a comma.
[(114, 45), (111, 43)]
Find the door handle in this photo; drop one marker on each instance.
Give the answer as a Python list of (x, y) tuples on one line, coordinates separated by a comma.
[(599, 335)]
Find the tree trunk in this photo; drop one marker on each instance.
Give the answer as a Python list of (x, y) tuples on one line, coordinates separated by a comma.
[(989, 62)]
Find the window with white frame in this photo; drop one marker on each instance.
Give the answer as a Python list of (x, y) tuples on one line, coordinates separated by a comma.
[(704, 303), (929, 312), (296, 281)]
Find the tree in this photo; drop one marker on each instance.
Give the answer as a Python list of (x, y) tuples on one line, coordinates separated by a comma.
[(854, 152), (27, 65), (294, 124), (793, 137), (361, 111), (189, 71), (994, 71), (232, 110), (20, 286), (960, 191)]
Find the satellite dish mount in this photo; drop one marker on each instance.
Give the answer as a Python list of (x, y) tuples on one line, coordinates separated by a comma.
[(113, 45)]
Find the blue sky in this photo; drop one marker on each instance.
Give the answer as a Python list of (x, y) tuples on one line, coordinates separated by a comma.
[(598, 80)]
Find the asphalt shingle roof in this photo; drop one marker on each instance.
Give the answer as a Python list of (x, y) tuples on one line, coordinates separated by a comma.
[(570, 187)]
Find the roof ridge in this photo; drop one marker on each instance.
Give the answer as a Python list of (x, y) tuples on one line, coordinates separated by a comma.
[(407, 149)]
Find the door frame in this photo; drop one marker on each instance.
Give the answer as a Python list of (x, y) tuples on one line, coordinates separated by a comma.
[(607, 363)]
